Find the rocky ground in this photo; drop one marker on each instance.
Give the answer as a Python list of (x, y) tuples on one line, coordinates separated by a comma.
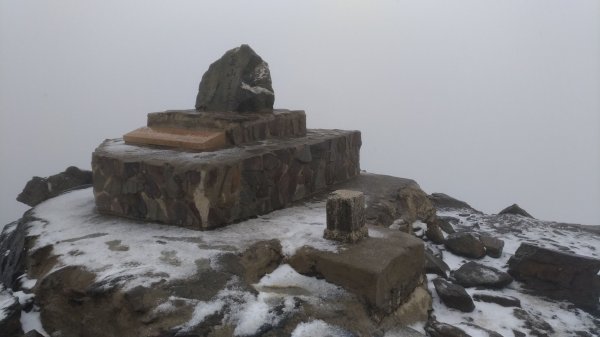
[(68, 271)]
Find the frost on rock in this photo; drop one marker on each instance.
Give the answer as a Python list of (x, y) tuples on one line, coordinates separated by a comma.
[(561, 316), (147, 252)]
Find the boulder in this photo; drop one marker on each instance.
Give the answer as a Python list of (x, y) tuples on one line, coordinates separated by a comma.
[(441, 200), (453, 295), (516, 210), (536, 325), (10, 314), (435, 265), (473, 274), (39, 189), (261, 258), (239, 81), (493, 246), (12, 258), (434, 233), (445, 224), (437, 329), (557, 274), (465, 244), (505, 301)]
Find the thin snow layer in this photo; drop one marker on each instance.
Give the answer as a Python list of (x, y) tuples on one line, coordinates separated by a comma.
[(515, 230), (32, 321), (277, 297), (6, 299), (318, 328), (139, 253)]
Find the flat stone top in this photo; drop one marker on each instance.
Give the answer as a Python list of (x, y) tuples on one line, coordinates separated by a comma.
[(118, 149), (374, 254), (345, 194)]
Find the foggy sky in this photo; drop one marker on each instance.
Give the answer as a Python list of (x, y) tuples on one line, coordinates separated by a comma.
[(493, 102)]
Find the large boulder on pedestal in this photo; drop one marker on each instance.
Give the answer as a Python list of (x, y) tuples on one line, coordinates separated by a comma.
[(239, 81)]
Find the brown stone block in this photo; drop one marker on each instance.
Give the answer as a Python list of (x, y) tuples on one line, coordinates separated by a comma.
[(345, 211), (204, 140), (383, 271)]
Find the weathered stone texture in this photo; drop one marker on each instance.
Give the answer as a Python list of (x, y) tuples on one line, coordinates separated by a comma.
[(346, 216), (210, 189), (382, 271), (239, 128), (558, 274), (239, 81)]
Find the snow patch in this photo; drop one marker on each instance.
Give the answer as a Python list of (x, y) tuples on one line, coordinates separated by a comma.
[(317, 328)]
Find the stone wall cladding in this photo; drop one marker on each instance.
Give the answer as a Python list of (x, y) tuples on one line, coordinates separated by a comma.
[(210, 189), (240, 128)]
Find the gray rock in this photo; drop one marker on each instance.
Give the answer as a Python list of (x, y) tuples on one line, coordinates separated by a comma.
[(536, 325), (473, 274), (465, 244), (12, 258), (435, 265), (505, 301), (558, 275), (239, 81), (10, 314), (516, 210), (445, 224), (437, 329), (441, 200), (434, 233), (39, 189), (453, 295), (493, 246), (33, 333)]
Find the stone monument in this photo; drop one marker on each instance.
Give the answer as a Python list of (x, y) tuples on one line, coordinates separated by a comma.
[(230, 158), (345, 216)]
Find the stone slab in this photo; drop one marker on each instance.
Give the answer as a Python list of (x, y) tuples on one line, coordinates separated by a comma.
[(202, 140), (205, 190), (240, 128), (383, 270)]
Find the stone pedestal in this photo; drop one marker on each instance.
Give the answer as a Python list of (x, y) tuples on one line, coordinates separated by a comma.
[(205, 190), (346, 216)]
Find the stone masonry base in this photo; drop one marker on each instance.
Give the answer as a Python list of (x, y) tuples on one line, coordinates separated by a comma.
[(205, 190)]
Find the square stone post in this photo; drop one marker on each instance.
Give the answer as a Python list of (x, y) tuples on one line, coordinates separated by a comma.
[(346, 216)]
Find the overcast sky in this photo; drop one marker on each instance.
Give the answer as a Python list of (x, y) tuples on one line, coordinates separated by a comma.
[(493, 102)]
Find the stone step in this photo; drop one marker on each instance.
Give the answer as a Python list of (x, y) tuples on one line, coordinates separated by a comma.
[(205, 190), (202, 140), (239, 128)]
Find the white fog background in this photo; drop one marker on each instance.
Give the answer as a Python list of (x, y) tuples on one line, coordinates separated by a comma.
[(492, 102)]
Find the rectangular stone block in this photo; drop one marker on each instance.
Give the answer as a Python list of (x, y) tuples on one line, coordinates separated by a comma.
[(239, 128), (205, 190), (383, 271), (203, 140), (345, 216)]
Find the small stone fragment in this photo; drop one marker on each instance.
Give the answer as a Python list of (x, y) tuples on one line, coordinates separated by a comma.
[(536, 325), (465, 244), (437, 329), (346, 216), (239, 81), (473, 274), (505, 301), (453, 295), (493, 246)]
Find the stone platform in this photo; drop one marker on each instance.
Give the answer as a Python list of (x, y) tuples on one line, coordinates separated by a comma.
[(239, 128), (205, 190)]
